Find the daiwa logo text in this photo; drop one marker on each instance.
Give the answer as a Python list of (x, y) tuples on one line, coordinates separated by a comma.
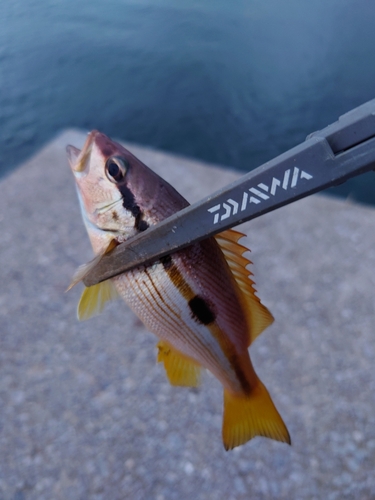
[(224, 210)]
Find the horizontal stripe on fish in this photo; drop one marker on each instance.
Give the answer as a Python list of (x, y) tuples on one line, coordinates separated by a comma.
[(172, 299), (190, 337), (166, 312)]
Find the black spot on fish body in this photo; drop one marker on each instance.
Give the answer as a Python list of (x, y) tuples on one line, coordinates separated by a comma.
[(115, 215), (201, 310)]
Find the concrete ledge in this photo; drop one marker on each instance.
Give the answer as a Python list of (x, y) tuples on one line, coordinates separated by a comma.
[(87, 414)]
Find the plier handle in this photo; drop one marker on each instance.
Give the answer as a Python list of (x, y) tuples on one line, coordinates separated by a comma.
[(326, 158)]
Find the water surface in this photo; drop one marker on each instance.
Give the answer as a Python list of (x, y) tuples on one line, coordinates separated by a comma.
[(234, 83)]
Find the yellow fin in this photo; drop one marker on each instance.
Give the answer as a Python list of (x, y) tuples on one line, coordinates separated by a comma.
[(180, 369), (248, 416), (94, 298), (258, 316)]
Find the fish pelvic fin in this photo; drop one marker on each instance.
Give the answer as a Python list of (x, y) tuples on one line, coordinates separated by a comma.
[(181, 370), (252, 415), (94, 298), (257, 315)]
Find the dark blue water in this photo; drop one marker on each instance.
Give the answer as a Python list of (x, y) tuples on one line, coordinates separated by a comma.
[(232, 82)]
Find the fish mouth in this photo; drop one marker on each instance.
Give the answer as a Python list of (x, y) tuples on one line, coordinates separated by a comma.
[(77, 157)]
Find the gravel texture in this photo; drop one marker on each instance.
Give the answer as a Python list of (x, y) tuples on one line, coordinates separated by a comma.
[(87, 414)]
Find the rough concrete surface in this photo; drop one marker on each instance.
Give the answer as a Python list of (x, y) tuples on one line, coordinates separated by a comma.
[(87, 414)]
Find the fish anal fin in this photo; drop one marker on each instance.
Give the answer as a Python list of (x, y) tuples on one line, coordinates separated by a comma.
[(258, 316), (248, 416), (94, 298), (181, 370)]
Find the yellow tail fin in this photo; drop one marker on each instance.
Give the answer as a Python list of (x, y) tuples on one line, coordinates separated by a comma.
[(248, 416)]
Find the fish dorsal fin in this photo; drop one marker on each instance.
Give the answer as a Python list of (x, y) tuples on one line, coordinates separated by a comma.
[(180, 369), (94, 298), (258, 316)]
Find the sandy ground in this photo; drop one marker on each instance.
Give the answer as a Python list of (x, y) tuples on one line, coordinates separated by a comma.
[(87, 414)]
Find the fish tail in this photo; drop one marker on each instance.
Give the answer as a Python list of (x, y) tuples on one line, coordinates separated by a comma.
[(247, 416)]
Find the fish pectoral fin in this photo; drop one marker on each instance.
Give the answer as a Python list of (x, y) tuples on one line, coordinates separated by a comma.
[(180, 369), (84, 269), (94, 298), (258, 316), (253, 415)]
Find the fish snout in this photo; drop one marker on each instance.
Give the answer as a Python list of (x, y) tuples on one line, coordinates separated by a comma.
[(73, 155), (78, 157)]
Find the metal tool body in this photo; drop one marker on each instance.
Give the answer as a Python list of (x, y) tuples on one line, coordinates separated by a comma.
[(328, 157)]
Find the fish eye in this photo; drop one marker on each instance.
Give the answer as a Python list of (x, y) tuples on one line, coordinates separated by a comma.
[(116, 168)]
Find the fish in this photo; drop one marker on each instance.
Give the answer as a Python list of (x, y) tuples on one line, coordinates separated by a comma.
[(200, 302)]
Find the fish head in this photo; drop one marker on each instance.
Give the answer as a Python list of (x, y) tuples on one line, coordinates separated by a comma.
[(102, 173), (118, 194)]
